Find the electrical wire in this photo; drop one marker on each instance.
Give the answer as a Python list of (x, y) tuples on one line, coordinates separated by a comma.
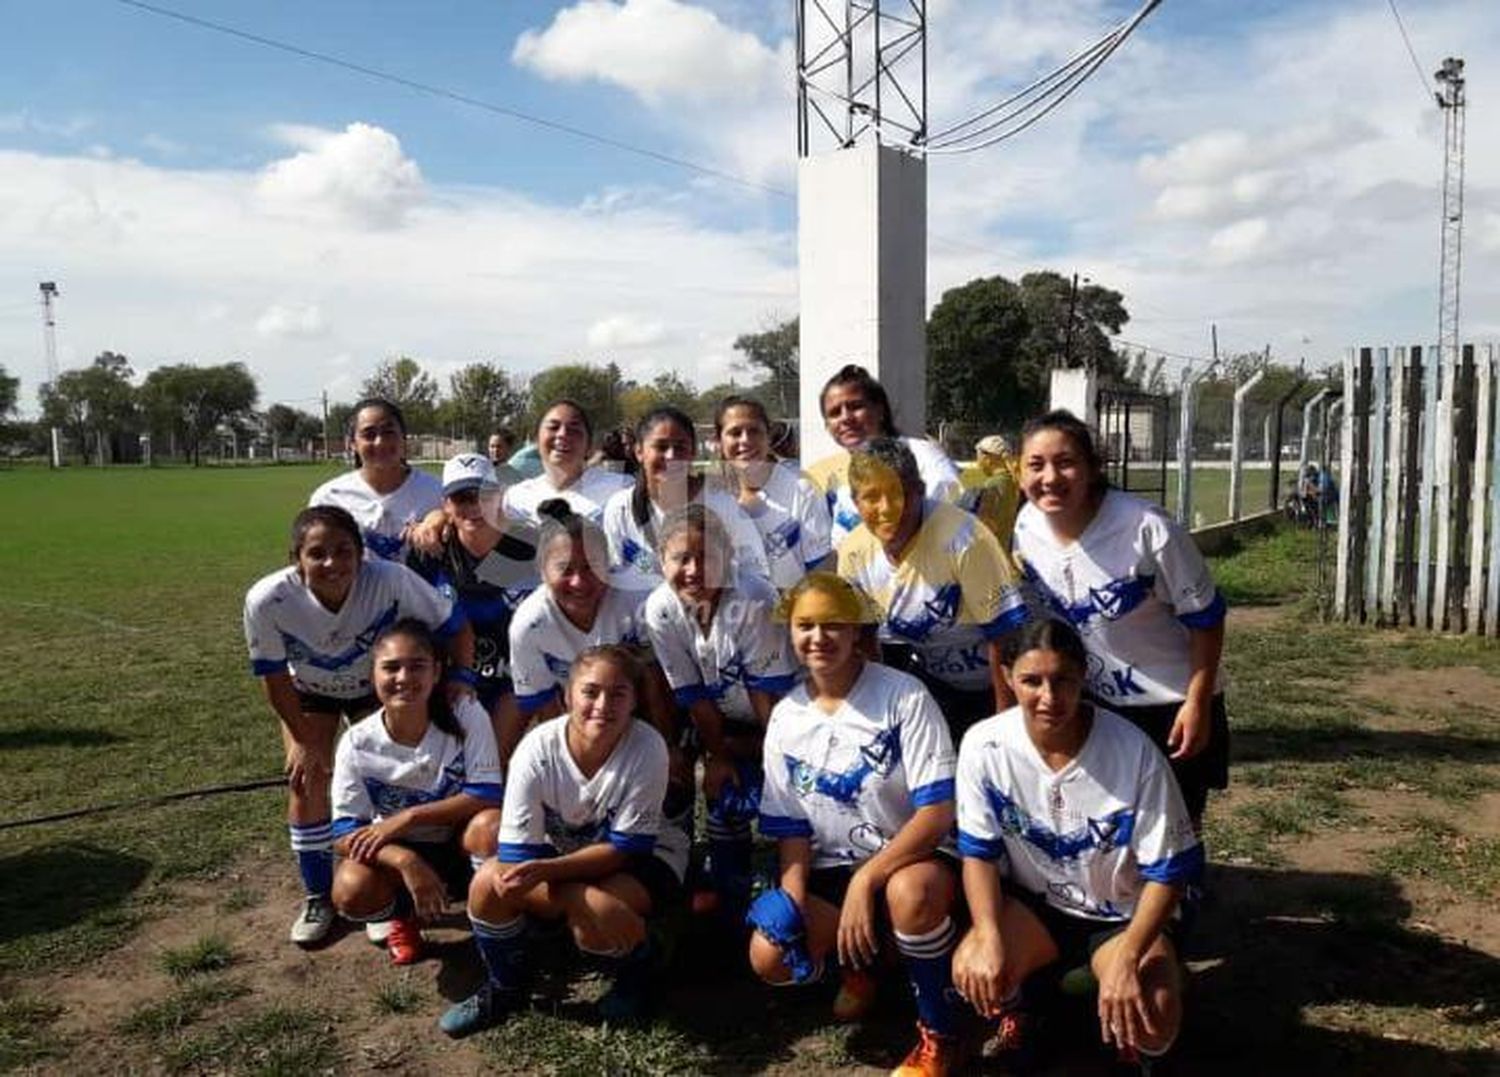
[(1415, 63)]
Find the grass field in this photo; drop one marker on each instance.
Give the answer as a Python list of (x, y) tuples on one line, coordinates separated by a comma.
[(1356, 860)]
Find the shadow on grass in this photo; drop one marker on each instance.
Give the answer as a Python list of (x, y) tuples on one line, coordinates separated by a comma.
[(35, 736), (59, 885), (1341, 744)]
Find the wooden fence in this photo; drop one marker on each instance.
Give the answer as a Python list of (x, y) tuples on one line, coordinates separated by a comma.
[(1419, 504)]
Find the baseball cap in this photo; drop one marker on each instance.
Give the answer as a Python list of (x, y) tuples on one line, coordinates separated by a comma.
[(468, 471), (992, 445)]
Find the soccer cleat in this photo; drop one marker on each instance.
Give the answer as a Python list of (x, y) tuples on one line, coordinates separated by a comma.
[(313, 921), (404, 942), (856, 995), (933, 1056), (1012, 1037), (486, 1008), (625, 1003), (377, 931)]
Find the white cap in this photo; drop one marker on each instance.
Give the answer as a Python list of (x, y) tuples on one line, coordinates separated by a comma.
[(468, 471)]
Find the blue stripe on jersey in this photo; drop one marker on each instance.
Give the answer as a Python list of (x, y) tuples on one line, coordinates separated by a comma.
[(938, 610), (809, 566), (520, 852), (778, 685), (689, 694), (345, 825), (632, 843), (1208, 616), (1113, 831), (1110, 602), (977, 848), (390, 799), (784, 826), (1008, 621), (529, 704), (451, 626), (264, 667), (298, 652), (938, 792), (1182, 867), (484, 790)]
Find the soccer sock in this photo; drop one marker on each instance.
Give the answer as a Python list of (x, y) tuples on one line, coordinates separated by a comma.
[(929, 966), (312, 844), (503, 949), (633, 970), (729, 858)]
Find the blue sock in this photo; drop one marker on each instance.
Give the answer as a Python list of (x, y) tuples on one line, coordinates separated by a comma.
[(929, 966), (503, 949), (312, 844), (729, 861)]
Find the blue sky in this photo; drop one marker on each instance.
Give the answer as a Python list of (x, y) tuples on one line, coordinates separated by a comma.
[(1269, 166)]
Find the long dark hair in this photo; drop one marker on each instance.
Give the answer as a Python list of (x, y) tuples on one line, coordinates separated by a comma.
[(1076, 430), (329, 516), (1046, 634), (640, 504), (385, 405), (558, 520), (439, 713), (857, 376)]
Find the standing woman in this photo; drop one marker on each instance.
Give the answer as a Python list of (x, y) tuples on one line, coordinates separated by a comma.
[(666, 445), (855, 409), (309, 628), (728, 663), (581, 841), (790, 512), (563, 435), (1134, 585), (416, 794), (859, 797), (384, 494)]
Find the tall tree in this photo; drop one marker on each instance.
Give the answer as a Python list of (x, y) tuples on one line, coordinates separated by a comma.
[(596, 389), (666, 389), (187, 402), (292, 426), (481, 397), (404, 383), (93, 404), (777, 353), (10, 392)]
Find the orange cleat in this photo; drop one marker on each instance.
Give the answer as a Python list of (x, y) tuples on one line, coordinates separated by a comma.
[(404, 943), (856, 995), (933, 1056)]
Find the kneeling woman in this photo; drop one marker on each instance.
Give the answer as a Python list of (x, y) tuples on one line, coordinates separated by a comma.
[(581, 840), (416, 794), (859, 795), (1082, 814)]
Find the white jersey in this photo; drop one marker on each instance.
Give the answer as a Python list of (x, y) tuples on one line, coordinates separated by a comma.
[(851, 780), (551, 809), (544, 643), (1086, 837), (328, 653), (831, 474), (791, 514), (633, 561), (586, 496), (382, 517), (744, 648), (1132, 585), (374, 777)]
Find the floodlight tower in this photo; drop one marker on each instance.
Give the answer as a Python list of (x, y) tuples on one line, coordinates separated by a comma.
[(862, 201), (49, 327), (1451, 100)]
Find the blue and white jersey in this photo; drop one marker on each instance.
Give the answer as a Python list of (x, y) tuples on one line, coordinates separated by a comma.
[(1086, 837), (544, 643), (382, 517), (1132, 585), (375, 777), (831, 475), (851, 780), (743, 649), (327, 652), (633, 561), (791, 514), (551, 809), (586, 496)]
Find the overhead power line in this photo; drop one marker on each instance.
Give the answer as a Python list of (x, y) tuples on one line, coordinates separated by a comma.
[(1415, 63)]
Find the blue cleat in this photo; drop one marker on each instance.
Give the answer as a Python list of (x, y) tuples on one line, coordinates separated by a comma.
[(486, 1008)]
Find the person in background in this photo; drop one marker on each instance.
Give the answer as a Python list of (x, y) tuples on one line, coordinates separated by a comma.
[(992, 488), (617, 453), (500, 447)]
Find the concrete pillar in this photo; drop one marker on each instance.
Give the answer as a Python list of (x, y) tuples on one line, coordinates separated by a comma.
[(862, 267), (1075, 390)]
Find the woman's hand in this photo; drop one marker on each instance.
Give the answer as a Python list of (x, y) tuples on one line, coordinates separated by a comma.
[(365, 842), (428, 533), (979, 971), (1123, 1018), (858, 942), (1191, 730), (308, 766), (518, 878), (428, 895)]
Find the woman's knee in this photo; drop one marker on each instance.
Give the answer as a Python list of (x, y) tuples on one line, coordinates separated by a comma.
[(765, 960), (482, 833), (359, 890), (919, 896)]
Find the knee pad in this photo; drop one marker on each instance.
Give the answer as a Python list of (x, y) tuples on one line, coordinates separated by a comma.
[(776, 916)]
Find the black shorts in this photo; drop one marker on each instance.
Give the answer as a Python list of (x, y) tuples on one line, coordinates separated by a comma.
[(449, 860), (1076, 937), (660, 882), (832, 884), (490, 690), (961, 707), (351, 709), (1209, 769)]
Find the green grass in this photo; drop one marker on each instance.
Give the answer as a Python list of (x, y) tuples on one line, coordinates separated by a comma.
[(1438, 852), (187, 1005), (26, 1035), (278, 1042), (398, 996), (541, 1044), (1267, 569), (209, 953)]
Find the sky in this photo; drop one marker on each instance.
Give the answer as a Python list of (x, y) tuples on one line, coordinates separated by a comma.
[(1270, 168)]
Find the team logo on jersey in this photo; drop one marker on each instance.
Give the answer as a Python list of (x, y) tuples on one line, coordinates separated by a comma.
[(1108, 603), (390, 799), (879, 757), (567, 838), (634, 554), (386, 547), (1102, 835), (783, 538), (938, 610), (1071, 896)]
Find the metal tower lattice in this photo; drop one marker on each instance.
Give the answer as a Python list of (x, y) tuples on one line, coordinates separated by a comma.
[(1451, 100), (861, 68), (49, 327)]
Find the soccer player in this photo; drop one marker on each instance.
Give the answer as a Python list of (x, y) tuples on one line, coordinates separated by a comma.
[(581, 841), (416, 794), (855, 409), (309, 628), (1134, 585), (385, 494), (946, 591), (1076, 846), (859, 795), (728, 662), (790, 512), (563, 435), (666, 445)]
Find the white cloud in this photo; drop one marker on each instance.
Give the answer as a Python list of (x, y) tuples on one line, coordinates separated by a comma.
[(291, 320), (357, 175), (625, 331)]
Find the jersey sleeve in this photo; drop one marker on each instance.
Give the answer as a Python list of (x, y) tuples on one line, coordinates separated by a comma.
[(523, 817), (1166, 847), (926, 749), (421, 600), (938, 473), (262, 637), (1183, 580), (481, 756), (991, 596), (672, 652), (535, 685), (816, 524), (352, 807), (769, 666), (638, 820), (781, 811), (979, 832)]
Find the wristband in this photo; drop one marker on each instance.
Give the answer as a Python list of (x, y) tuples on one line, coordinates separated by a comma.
[(464, 675)]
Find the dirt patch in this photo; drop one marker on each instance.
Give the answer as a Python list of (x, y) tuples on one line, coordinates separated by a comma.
[(1244, 617), (1464, 692)]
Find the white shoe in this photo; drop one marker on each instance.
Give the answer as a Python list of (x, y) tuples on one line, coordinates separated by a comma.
[(377, 931), (313, 921)]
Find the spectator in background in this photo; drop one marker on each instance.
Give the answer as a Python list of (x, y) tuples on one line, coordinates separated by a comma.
[(992, 488), (617, 453), (502, 445)]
